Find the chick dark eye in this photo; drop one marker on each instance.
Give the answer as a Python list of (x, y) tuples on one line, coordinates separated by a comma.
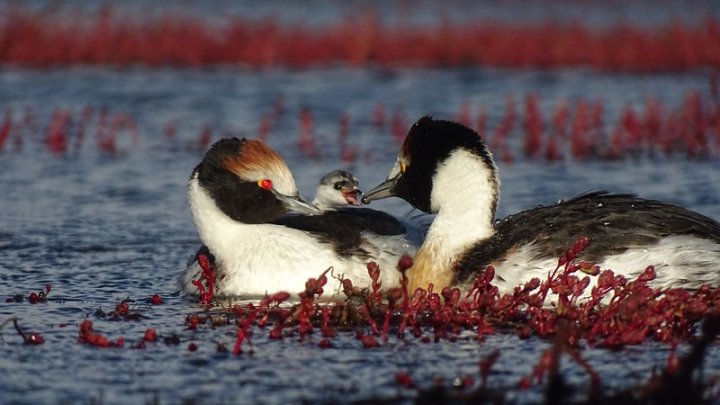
[(337, 186)]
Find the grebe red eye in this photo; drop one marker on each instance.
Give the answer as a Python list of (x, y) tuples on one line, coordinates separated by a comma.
[(265, 183)]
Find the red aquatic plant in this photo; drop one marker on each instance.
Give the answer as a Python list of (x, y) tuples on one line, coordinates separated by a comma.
[(29, 338), (41, 296), (533, 124), (313, 289), (192, 321), (578, 130), (156, 299), (150, 335), (33, 297), (503, 130), (306, 136), (89, 337), (206, 283), (398, 126), (251, 312), (46, 39), (378, 117), (5, 127), (57, 134), (122, 311)]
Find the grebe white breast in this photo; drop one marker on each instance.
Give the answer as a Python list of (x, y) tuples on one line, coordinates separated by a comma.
[(239, 196), (445, 168)]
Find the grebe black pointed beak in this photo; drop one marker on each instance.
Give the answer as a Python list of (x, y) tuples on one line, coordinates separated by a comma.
[(297, 204), (382, 190)]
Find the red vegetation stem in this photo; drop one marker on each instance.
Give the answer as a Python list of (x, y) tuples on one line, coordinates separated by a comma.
[(206, 283), (89, 337)]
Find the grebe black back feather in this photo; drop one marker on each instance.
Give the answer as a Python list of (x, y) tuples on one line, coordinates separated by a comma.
[(617, 222), (344, 229)]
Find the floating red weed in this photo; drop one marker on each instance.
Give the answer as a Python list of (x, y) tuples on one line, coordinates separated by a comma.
[(264, 128), (404, 380), (691, 130), (369, 342), (533, 124), (82, 127), (41, 296), (251, 311), (122, 311), (206, 283), (618, 312), (204, 138), (378, 117), (5, 127), (33, 297), (326, 329), (57, 134), (463, 115), (42, 39), (192, 321), (398, 125), (348, 153), (89, 337), (503, 130), (306, 136), (29, 338), (150, 335), (486, 364), (170, 130)]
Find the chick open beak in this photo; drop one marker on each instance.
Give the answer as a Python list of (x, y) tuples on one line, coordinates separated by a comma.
[(352, 196)]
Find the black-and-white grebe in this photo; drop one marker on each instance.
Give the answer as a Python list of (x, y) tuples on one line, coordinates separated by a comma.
[(239, 196), (445, 168)]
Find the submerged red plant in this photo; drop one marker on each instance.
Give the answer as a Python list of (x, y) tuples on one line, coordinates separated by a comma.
[(41, 296), (46, 39), (251, 313), (156, 299), (579, 130), (618, 312), (33, 297), (206, 283), (29, 338), (89, 337)]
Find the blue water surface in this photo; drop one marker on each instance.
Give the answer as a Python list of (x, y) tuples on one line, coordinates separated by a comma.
[(101, 227)]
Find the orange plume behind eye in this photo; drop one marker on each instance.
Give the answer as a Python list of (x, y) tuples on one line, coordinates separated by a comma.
[(254, 157)]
